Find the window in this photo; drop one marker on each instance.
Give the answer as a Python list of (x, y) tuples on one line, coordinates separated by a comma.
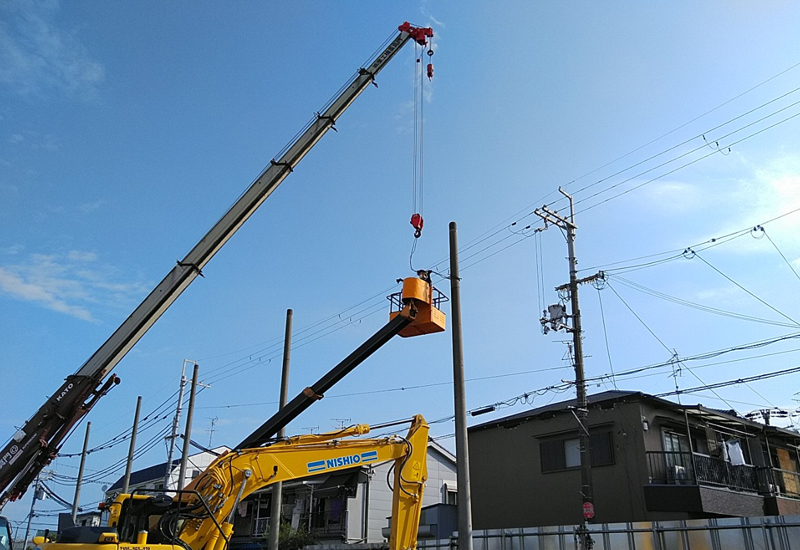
[(565, 453), (450, 492)]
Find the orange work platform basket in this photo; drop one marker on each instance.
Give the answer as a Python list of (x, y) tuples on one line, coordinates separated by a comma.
[(426, 299)]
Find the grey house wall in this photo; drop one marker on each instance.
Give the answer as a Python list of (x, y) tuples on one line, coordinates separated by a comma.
[(441, 469), (509, 489)]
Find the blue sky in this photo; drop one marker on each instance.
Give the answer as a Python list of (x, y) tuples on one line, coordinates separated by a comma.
[(127, 130)]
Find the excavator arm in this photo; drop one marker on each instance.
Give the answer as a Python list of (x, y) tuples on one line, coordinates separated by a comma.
[(201, 517)]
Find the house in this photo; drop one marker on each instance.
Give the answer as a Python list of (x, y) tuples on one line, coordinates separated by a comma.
[(652, 460), (350, 505), (152, 477)]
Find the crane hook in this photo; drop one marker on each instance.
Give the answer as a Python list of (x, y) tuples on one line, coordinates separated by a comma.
[(417, 222)]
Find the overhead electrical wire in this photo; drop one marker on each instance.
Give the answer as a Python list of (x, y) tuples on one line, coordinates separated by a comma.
[(670, 172), (773, 308), (745, 380), (686, 303), (501, 226), (334, 327), (494, 244)]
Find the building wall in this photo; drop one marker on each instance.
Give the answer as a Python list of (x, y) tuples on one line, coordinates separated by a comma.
[(195, 464), (441, 470), (510, 490)]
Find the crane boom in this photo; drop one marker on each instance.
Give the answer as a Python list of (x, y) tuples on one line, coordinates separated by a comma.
[(40, 438)]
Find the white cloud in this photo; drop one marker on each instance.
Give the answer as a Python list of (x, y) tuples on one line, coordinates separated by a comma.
[(15, 285), (676, 197), (16, 138), (69, 283), (37, 56), (89, 207), (81, 256), (13, 249)]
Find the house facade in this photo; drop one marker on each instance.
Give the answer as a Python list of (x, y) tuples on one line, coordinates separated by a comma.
[(153, 477), (348, 506), (652, 460)]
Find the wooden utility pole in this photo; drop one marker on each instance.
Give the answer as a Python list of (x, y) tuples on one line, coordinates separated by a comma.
[(462, 445), (582, 409), (132, 448), (277, 488)]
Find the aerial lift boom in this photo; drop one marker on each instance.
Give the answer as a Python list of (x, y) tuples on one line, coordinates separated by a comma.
[(40, 438)]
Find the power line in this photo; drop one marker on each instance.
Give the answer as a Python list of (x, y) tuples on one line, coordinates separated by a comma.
[(707, 309), (776, 310), (755, 378)]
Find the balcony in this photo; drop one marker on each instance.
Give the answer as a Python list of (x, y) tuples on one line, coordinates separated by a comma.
[(327, 524), (701, 484), (261, 527), (322, 524), (674, 468)]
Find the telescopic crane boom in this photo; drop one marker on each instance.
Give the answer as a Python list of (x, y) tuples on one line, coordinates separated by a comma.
[(40, 438)]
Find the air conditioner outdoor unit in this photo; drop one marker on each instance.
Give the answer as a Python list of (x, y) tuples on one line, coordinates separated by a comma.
[(679, 474)]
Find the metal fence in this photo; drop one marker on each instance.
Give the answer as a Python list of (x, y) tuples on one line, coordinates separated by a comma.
[(758, 533)]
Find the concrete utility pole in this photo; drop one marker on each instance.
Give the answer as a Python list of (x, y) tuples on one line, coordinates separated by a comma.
[(80, 474), (582, 413), (277, 488), (175, 424), (187, 433), (132, 448), (31, 513), (462, 445)]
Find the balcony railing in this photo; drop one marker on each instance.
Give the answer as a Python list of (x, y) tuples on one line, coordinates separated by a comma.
[(327, 523), (321, 523), (260, 527), (675, 468), (781, 482)]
